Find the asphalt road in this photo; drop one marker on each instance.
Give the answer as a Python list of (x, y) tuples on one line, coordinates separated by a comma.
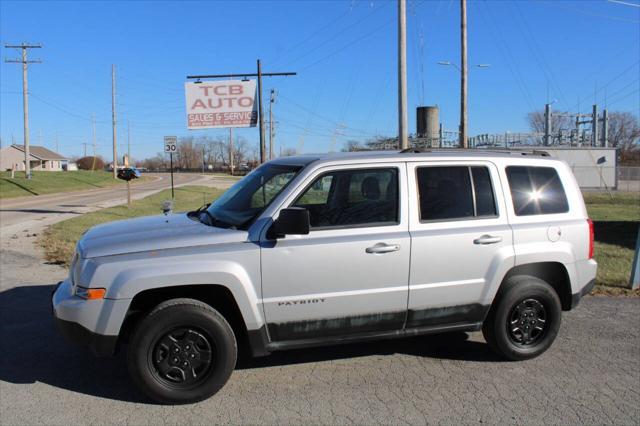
[(591, 375), (52, 207)]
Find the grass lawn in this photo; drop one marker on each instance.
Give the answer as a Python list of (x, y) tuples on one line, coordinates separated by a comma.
[(50, 182), (59, 240), (623, 206), (616, 228)]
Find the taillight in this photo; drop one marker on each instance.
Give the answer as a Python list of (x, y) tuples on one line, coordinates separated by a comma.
[(590, 222)]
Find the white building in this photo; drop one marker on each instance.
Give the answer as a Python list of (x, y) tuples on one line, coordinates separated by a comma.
[(40, 158)]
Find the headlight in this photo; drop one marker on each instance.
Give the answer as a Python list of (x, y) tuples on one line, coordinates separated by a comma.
[(72, 269), (90, 293)]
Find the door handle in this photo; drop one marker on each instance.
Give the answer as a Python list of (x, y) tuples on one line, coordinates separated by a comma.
[(487, 239), (383, 248)]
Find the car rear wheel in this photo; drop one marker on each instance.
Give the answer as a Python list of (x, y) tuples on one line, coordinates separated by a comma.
[(183, 351), (524, 320)]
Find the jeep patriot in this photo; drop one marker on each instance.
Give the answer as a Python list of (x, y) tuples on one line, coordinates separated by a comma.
[(330, 249)]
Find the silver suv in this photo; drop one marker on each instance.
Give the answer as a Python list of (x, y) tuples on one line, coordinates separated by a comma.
[(330, 249)]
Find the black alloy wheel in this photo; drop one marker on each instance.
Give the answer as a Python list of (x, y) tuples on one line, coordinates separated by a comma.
[(527, 322), (183, 356)]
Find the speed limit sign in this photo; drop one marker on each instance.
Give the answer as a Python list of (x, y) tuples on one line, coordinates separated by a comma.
[(170, 144)]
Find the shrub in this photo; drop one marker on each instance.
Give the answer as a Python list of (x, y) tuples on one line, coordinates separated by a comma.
[(90, 163)]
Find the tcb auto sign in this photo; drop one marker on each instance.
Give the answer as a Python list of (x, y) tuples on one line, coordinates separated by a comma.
[(218, 104)]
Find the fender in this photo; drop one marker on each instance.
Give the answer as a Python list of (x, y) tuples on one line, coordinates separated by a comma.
[(551, 252), (127, 276)]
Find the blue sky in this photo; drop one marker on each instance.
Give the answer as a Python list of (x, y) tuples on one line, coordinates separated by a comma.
[(344, 52)]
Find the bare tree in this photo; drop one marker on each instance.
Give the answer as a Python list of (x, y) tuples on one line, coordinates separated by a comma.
[(289, 152), (536, 122), (624, 134), (352, 145), (157, 163)]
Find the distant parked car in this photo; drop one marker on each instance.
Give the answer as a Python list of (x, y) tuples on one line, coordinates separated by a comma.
[(128, 173)]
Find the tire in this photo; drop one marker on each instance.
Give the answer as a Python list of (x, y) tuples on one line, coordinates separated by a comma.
[(524, 319), (168, 352)]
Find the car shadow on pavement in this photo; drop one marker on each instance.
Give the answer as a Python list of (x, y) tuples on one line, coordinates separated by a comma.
[(33, 351), (449, 346)]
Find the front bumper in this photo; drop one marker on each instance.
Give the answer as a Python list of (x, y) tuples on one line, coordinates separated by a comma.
[(88, 323), (100, 345)]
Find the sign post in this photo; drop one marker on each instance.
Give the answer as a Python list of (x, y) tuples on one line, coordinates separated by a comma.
[(125, 161), (171, 146), (635, 266)]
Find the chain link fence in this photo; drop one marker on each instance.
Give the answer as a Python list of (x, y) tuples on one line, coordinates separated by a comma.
[(629, 179)]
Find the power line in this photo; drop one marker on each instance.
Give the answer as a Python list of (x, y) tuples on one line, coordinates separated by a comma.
[(506, 53), (623, 97), (538, 54), (333, 37), (613, 80), (303, 42)]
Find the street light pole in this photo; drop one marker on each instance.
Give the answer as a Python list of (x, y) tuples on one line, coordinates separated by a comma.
[(463, 99), (403, 138)]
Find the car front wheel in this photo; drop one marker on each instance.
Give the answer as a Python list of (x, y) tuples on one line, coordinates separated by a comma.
[(183, 351)]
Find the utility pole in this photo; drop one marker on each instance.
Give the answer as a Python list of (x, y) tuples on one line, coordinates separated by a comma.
[(547, 124), (113, 120), (25, 98), (128, 143), (605, 128), (463, 74), (271, 102), (231, 150), (84, 144), (263, 153), (93, 137), (203, 159), (403, 138), (260, 74), (594, 126)]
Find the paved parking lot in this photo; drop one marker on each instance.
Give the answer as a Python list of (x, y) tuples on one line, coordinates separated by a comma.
[(590, 376)]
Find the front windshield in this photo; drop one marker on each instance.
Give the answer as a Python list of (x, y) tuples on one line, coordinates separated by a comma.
[(245, 200)]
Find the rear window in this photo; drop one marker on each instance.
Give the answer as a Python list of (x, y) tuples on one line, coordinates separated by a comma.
[(536, 190)]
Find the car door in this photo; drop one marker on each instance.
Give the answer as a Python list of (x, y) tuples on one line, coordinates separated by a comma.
[(460, 238), (350, 274)]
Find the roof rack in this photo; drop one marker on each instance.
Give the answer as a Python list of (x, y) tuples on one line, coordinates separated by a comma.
[(414, 150), (418, 150)]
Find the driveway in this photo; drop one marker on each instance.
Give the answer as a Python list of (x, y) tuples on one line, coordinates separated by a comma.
[(591, 375)]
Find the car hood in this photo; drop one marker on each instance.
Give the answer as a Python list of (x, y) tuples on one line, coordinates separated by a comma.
[(153, 233)]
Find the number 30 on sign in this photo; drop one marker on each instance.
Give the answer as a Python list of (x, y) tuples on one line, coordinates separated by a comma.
[(170, 144)]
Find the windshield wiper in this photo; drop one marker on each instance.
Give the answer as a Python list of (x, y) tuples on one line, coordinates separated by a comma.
[(214, 221)]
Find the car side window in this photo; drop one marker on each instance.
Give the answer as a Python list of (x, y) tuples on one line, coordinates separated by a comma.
[(536, 190), (352, 198), (455, 192), (485, 199)]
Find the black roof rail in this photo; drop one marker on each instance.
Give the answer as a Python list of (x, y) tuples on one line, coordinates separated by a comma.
[(414, 150), (419, 150)]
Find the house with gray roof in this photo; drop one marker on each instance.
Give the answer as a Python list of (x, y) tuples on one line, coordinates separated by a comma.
[(40, 158)]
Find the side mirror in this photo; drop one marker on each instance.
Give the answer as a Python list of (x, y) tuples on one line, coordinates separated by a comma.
[(292, 221)]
